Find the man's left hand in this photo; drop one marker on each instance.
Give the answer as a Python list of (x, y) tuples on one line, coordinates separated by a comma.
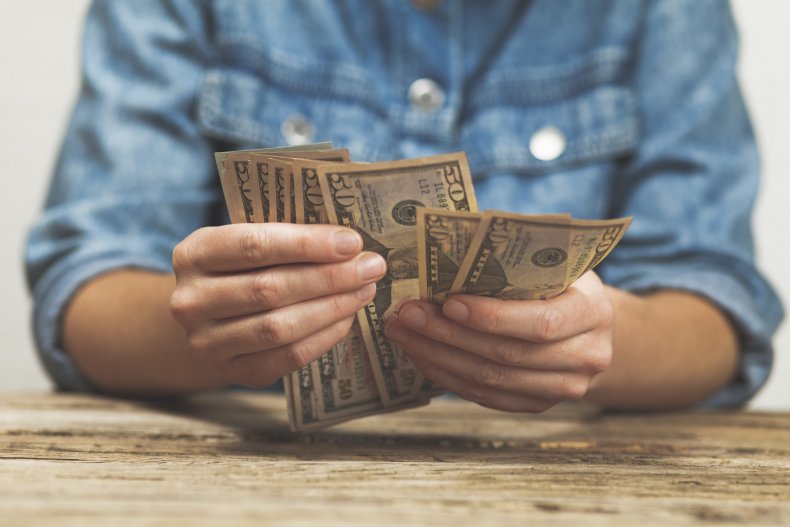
[(512, 355)]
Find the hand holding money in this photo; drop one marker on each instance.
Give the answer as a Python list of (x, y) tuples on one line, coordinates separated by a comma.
[(512, 355), (259, 301), (419, 215)]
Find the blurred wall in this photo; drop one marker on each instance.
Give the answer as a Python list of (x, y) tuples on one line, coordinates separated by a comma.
[(38, 81)]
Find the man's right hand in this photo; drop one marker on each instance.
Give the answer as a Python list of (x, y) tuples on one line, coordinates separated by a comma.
[(259, 301)]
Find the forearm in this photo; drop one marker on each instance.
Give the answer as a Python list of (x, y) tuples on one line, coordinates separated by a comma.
[(670, 350), (119, 330)]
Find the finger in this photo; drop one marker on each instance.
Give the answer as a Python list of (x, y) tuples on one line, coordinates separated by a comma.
[(485, 374), (583, 352), (274, 329), (482, 395), (251, 246), (263, 368), (573, 312), (235, 295)]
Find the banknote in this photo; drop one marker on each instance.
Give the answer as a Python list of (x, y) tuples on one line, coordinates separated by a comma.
[(590, 241), (309, 200), (259, 165), (421, 216), (239, 180), (443, 239), (244, 177), (237, 188), (219, 157), (380, 201), (521, 257), (346, 385), (291, 173), (516, 257)]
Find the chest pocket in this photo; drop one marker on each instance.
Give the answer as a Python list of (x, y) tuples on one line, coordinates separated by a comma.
[(539, 119), (291, 106)]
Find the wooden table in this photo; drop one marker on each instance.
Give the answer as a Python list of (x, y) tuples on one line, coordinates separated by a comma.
[(229, 459)]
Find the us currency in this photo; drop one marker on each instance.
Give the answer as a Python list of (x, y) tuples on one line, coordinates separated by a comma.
[(259, 164), (346, 385), (590, 242), (443, 239), (380, 201), (261, 167), (297, 167), (219, 157), (340, 385), (237, 187), (238, 183), (515, 257), (244, 177), (307, 192), (526, 257)]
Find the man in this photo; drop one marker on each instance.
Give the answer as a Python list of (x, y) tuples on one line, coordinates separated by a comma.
[(597, 108)]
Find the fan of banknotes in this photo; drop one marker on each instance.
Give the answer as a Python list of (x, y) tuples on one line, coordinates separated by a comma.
[(421, 216)]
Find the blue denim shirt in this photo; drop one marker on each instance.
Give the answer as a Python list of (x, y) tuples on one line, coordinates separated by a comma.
[(643, 93)]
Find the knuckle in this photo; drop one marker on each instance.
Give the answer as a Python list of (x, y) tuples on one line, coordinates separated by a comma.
[(599, 360), (548, 324), (490, 318), (476, 396), (574, 389), (340, 330), (183, 256), (298, 356), (304, 242), (335, 277), (339, 305), (200, 344), (490, 374), (265, 290), (442, 332), (183, 305), (186, 255), (606, 310), (252, 245), (178, 257), (510, 352), (273, 330)]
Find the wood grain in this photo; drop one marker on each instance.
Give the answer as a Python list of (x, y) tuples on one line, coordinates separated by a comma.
[(229, 459)]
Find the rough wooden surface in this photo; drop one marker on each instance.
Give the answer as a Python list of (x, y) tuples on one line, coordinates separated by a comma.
[(230, 460)]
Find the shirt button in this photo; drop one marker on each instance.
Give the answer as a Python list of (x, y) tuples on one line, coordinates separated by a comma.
[(425, 95), (297, 130), (547, 143)]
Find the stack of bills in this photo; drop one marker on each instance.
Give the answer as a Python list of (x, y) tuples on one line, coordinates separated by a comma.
[(421, 216)]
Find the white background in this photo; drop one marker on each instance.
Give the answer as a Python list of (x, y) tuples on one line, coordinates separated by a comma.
[(39, 42)]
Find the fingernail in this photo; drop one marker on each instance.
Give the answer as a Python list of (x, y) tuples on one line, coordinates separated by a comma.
[(366, 293), (413, 316), (371, 266), (455, 310), (346, 241)]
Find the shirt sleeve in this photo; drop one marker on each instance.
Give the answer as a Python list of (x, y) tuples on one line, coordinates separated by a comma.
[(692, 184), (134, 175)]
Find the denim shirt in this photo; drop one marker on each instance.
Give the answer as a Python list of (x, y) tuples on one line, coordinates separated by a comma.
[(600, 108)]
